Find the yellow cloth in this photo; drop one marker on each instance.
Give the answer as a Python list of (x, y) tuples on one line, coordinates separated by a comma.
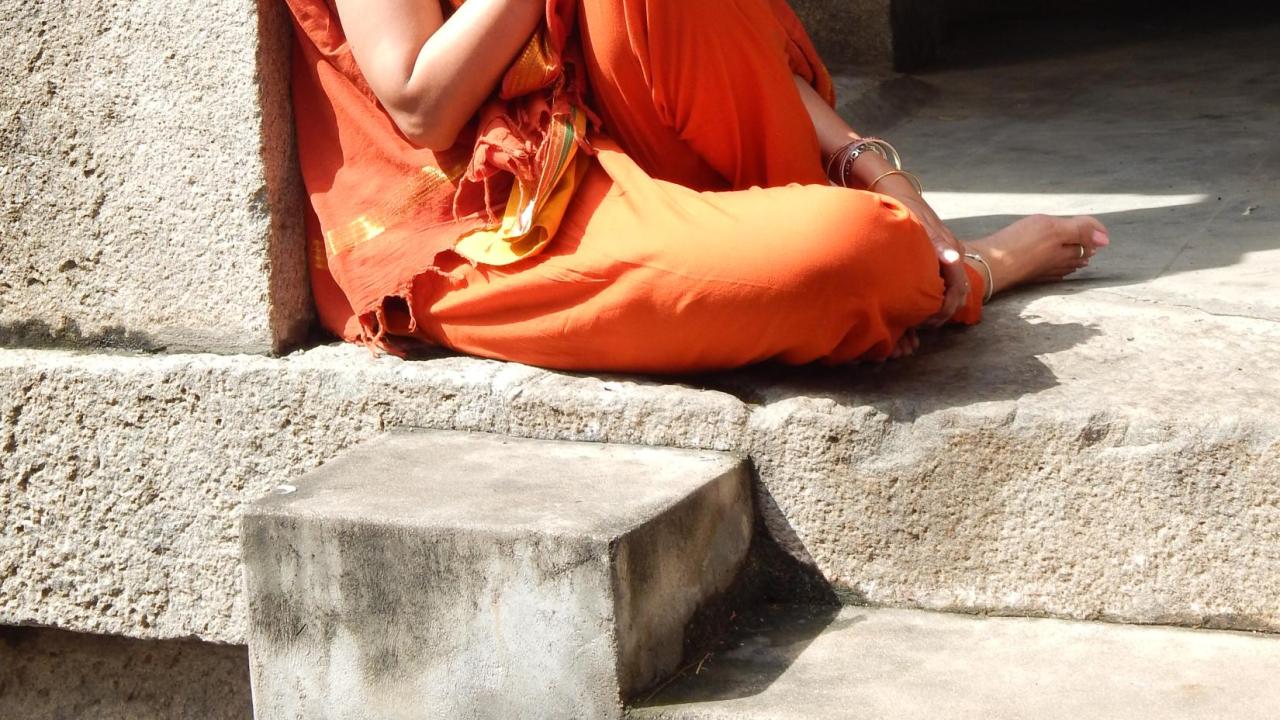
[(533, 210)]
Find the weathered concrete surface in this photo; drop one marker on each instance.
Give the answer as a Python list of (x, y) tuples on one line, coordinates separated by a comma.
[(1068, 483), (1025, 131), (1106, 448), (148, 189), (465, 575), (909, 665), (57, 675)]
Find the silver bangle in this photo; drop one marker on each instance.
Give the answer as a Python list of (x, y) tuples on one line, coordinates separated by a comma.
[(886, 151), (844, 157)]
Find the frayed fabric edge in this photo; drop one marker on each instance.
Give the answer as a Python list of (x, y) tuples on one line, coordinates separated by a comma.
[(373, 319)]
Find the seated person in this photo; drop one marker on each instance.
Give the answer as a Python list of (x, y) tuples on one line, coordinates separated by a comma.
[(620, 185)]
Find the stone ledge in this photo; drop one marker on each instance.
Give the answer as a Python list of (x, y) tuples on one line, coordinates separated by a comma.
[(56, 675), (1085, 461), (798, 664)]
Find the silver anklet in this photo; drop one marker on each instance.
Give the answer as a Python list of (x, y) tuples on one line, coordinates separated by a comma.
[(991, 282)]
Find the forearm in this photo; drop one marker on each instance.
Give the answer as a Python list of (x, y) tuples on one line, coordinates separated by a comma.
[(834, 133), (461, 63), (433, 74)]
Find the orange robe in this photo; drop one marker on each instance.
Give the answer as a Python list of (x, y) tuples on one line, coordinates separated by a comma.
[(703, 234)]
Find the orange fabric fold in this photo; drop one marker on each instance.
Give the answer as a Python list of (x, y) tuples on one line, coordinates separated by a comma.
[(704, 235), (384, 211)]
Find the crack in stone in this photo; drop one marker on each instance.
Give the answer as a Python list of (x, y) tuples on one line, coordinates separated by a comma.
[(1183, 306)]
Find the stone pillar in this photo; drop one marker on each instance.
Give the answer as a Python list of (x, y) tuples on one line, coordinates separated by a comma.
[(849, 32), (149, 195)]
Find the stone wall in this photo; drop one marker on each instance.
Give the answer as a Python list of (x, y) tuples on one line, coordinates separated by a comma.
[(853, 32), (149, 196)]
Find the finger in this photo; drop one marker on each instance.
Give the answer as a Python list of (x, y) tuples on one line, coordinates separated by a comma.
[(951, 302), (943, 240), (955, 278), (910, 342), (952, 240)]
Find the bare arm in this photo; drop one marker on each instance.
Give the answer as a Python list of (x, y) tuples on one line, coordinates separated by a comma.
[(430, 74), (833, 133)]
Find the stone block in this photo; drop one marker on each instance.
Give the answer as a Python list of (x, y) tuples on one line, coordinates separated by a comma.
[(149, 196), (461, 575), (122, 477), (1048, 476)]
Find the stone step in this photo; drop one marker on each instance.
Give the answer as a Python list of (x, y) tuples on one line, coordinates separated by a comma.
[(856, 663), (1047, 476), (466, 575), (1105, 448)]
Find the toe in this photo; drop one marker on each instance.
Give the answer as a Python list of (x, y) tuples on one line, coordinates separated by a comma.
[(1092, 233)]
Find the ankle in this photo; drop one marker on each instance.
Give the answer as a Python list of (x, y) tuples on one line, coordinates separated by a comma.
[(979, 263)]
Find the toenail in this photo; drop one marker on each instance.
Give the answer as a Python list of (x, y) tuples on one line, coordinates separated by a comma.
[(1100, 238)]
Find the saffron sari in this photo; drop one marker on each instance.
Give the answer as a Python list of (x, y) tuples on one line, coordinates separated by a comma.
[(383, 211)]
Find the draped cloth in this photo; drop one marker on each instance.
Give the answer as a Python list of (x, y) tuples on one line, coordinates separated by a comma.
[(383, 211), (691, 229)]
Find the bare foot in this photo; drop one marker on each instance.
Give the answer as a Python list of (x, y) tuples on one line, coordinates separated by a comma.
[(1035, 249), (1039, 248)]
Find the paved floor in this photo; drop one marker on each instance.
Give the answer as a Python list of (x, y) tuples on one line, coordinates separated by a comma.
[(1172, 141), (906, 664)]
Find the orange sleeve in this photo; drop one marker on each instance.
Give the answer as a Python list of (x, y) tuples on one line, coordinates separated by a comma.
[(804, 58)]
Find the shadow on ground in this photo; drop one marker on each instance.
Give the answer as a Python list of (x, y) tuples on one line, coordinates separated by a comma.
[(954, 368), (763, 643)]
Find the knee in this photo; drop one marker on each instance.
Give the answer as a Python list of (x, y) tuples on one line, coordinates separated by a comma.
[(872, 250)]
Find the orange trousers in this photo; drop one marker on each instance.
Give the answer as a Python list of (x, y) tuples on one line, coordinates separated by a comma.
[(705, 235)]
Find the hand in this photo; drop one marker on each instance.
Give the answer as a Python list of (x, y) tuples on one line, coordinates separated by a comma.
[(950, 251)]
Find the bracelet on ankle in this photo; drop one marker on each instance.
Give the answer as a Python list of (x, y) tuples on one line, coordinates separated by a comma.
[(991, 281)]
